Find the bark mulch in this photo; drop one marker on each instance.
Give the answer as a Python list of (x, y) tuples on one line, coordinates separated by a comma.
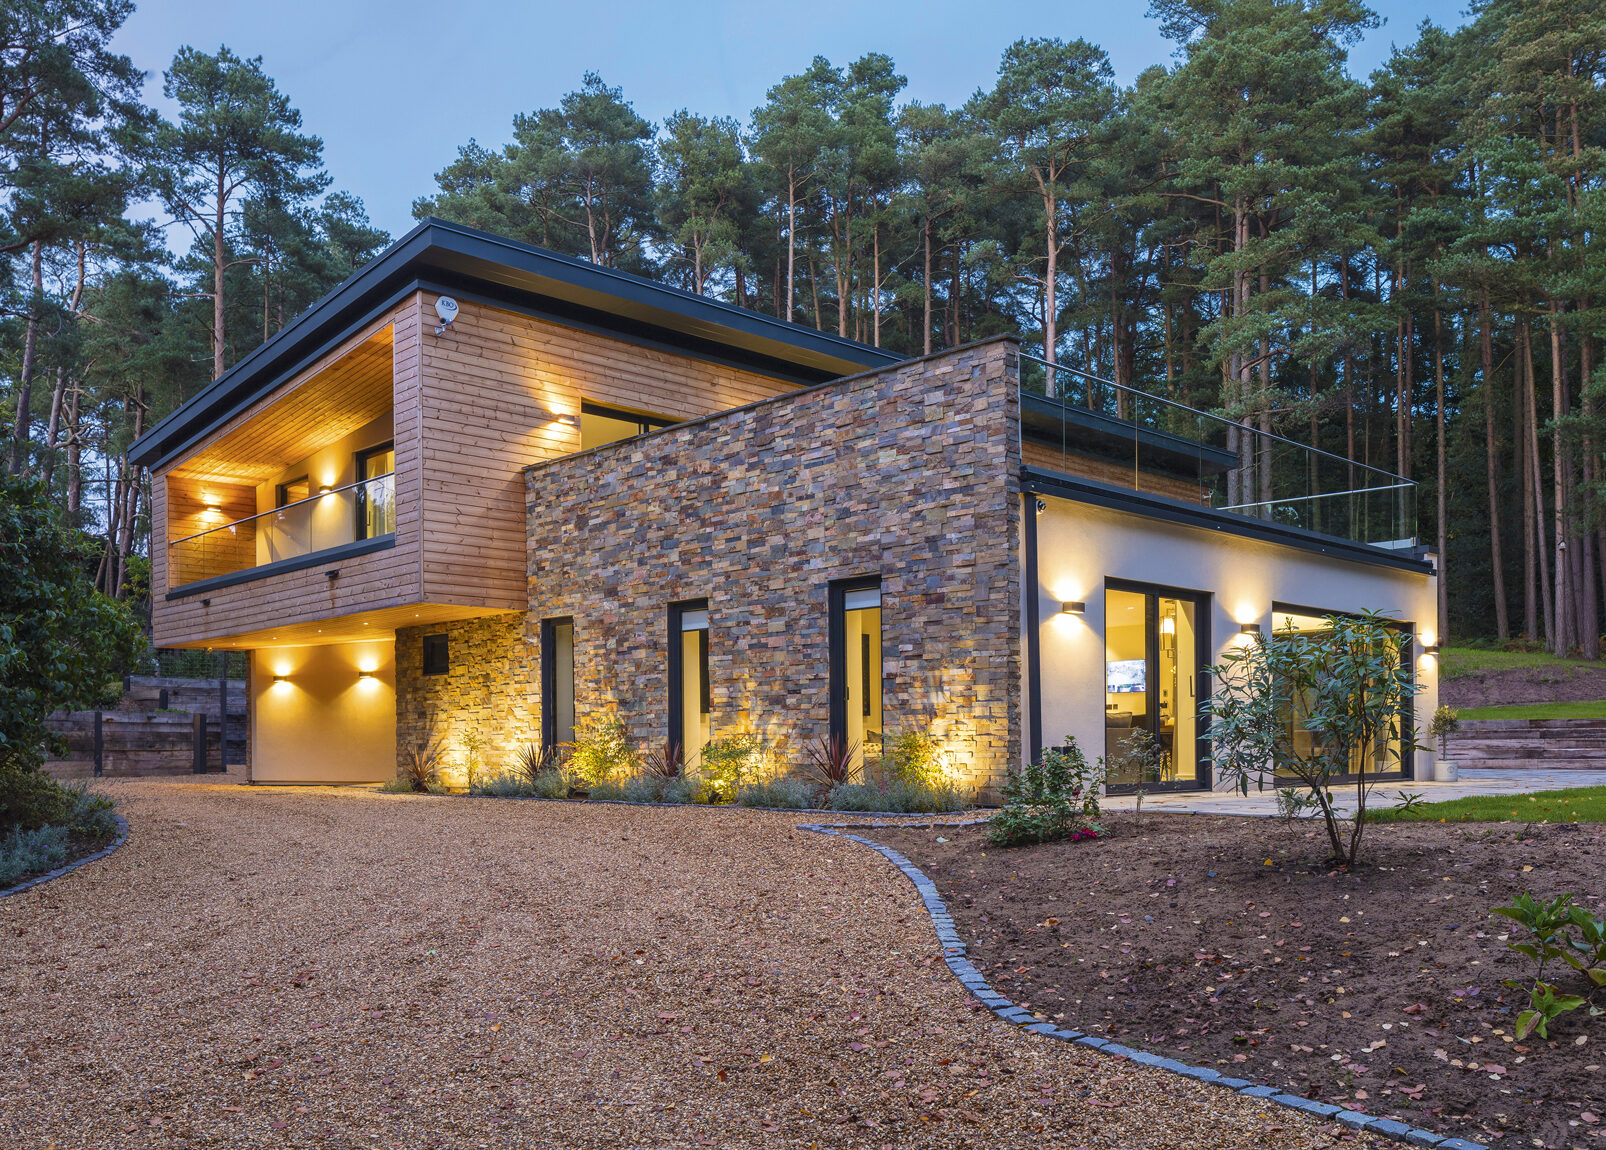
[(321, 968), (1225, 941)]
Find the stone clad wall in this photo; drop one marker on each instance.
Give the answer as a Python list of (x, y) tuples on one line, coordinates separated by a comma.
[(493, 688), (911, 473)]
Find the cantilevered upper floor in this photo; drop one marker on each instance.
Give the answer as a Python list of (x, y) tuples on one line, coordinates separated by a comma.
[(362, 470)]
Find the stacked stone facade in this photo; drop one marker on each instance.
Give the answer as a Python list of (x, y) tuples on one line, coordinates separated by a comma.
[(491, 689), (910, 473)]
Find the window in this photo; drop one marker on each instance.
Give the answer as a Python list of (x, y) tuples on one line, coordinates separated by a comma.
[(856, 672), (291, 491), (557, 682), (600, 425), (376, 491), (689, 695), (1153, 673), (1385, 759), (437, 656)]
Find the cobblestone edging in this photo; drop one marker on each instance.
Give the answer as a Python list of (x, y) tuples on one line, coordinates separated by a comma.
[(953, 949), (708, 807), (68, 868)]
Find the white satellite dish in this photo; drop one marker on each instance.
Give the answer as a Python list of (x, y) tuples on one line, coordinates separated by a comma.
[(446, 308)]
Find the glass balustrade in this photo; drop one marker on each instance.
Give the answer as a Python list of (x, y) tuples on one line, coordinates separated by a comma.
[(1102, 430), (333, 518)]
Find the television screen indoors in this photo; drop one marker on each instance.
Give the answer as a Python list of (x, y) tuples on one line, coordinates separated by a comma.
[(1125, 676)]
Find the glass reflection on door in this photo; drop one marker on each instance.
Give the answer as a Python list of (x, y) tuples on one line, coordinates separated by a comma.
[(1151, 683)]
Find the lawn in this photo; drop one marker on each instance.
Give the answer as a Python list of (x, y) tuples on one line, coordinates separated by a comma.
[(1575, 805), (1579, 709), (1455, 662)]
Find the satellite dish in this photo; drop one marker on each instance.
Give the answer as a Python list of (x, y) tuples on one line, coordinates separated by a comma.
[(446, 308)]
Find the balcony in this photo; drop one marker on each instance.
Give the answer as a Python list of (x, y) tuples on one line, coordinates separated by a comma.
[(299, 533), (1097, 429)]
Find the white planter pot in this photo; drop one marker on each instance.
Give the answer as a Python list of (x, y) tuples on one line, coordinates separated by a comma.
[(1446, 771)]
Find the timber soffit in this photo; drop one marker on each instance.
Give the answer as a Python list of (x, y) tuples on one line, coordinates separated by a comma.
[(531, 279)]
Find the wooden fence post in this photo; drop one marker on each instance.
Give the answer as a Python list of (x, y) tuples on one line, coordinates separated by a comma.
[(223, 711), (198, 738), (100, 747)]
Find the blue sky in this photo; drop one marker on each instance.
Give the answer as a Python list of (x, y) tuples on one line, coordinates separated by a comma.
[(393, 89)]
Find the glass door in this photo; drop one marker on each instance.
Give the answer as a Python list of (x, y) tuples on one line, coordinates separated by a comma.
[(1153, 671)]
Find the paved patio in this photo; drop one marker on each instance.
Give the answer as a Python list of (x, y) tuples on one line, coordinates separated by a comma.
[(1472, 782)]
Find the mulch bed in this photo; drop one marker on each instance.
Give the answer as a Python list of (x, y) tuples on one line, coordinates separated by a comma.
[(1225, 941)]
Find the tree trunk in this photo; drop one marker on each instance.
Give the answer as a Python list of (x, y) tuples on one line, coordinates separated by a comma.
[(219, 256), (1492, 468), (1442, 533), (1537, 487), (20, 432), (926, 282), (1564, 637)]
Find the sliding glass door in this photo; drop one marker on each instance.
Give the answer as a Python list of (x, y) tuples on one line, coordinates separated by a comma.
[(1154, 645)]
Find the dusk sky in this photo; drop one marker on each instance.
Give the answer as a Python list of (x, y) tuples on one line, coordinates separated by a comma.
[(394, 89)]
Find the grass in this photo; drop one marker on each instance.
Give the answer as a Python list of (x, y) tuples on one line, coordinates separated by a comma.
[(1455, 662), (1575, 710), (1576, 805)]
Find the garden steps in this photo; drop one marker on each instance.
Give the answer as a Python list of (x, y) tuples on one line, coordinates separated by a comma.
[(1530, 744)]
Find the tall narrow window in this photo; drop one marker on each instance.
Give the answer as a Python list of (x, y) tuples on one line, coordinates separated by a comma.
[(855, 637), (376, 491), (689, 695), (437, 655), (557, 683)]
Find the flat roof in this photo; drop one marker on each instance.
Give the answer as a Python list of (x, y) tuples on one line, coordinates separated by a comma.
[(490, 269)]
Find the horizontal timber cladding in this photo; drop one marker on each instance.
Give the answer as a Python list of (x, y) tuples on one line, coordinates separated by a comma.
[(1052, 458), (491, 689), (492, 385), (910, 473)]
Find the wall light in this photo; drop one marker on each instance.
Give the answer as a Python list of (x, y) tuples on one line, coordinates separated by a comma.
[(277, 679), (325, 488), (1430, 648), (365, 674), (1249, 629), (1073, 607)]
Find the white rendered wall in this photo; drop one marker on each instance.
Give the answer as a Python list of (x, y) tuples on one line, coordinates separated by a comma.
[(1080, 546)]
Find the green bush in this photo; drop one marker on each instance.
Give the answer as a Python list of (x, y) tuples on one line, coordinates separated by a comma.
[(726, 765), (900, 797), (500, 786), (913, 757), (94, 816), (601, 749), (550, 784), (649, 787), (608, 789), (30, 799), (1056, 797), (26, 852), (788, 794)]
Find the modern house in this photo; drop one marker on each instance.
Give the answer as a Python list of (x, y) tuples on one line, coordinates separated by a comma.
[(561, 488)]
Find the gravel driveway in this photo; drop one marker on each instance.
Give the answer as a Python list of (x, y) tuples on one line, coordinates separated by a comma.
[(340, 968)]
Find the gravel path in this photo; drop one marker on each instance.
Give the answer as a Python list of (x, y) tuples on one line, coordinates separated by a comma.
[(340, 968)]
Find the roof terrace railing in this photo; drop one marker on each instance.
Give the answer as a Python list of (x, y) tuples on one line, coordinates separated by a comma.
[(1094, 426)]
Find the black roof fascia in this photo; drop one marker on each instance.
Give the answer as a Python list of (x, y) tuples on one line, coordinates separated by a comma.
[(556, 285), (1162, 507), (1043, 421)]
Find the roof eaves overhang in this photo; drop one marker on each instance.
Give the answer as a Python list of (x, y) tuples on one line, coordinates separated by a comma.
[(505, 273)]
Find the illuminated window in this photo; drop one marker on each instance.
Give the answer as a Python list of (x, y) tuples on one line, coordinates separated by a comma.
[(856, 671), (437, 656), (291, 491), (1153, 672), (557, 682), (600, 425), (376, 492), (689, 695)]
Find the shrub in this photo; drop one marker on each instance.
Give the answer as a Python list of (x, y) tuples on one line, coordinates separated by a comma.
[(663, 763), (601, 749), (1056, 797), (727, 763), (899, 797), (608, 789), (550, 784), (420, 765), (26, 852), (94, 816), (831, 760), (790, 794), (530, 760), (473, 744), (30, 799), (681, 790), (913, 757), (501, 786), (1446, 722), (1555, 929)]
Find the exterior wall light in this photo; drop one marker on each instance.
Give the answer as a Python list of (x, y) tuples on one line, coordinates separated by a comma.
[(277, 679), (1249, 629), (1073, 607), (1430, 648), (364, 675), (325, 488)]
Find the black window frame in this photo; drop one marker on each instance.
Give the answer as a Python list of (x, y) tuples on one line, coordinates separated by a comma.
[(676, 678), (437, 654), (837, 652), (359, 470), (280, 491), (644, 422), (1203, 608), (549, 678)]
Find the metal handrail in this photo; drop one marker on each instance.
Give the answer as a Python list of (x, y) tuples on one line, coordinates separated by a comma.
[(286, 507), (1403, 481), (1323, 495)]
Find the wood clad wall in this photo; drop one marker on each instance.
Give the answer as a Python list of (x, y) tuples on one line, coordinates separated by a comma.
[(1108, 471), (195, 505), (486, 381)]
